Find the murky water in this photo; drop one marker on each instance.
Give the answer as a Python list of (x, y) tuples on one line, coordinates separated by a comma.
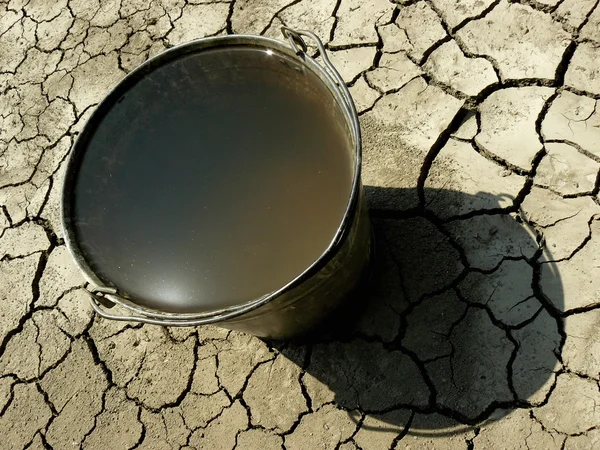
[(217, 178)]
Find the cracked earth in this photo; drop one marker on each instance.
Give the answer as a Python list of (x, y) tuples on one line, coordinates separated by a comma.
[(480, 327)]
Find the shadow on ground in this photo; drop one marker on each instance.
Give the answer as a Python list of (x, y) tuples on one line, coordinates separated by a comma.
[(451, 326)]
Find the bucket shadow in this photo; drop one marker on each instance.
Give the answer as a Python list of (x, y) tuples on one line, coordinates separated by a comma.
[(450, 329)]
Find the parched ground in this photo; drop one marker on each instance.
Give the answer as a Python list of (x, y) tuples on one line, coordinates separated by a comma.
[(481, 327)]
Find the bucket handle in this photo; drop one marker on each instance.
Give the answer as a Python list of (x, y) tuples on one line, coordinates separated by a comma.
[(299, 46)]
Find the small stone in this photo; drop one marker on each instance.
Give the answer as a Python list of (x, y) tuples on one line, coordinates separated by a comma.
[(508, 118), (364, 96), (566, 171), (474, 377), (581, 352), (461, 181), (456, 12), (352, 62), (535, 364), (259, 439), (506, 291), (117, 426), (312, 433), (450, 66), (583, 74), (378, 431), (25, 415), (524, 42), (572, 407), (198, 21), (357, 21), (23, 240), (574, 283), (487, 239), (393, 72), (220, 434), (516, 431), (60, 275), (274, 395)]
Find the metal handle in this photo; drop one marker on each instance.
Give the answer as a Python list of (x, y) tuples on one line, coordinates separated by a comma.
[(294, 37)]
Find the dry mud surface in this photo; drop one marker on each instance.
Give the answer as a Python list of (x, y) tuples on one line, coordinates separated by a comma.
[(481, 325)]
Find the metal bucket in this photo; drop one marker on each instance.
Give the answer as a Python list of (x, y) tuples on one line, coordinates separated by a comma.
[(297, 305)]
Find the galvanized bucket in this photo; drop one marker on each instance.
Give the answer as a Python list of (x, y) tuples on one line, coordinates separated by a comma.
[(297, 305)]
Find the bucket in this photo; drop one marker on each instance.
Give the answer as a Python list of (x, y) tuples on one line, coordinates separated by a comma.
[(219, 182)]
